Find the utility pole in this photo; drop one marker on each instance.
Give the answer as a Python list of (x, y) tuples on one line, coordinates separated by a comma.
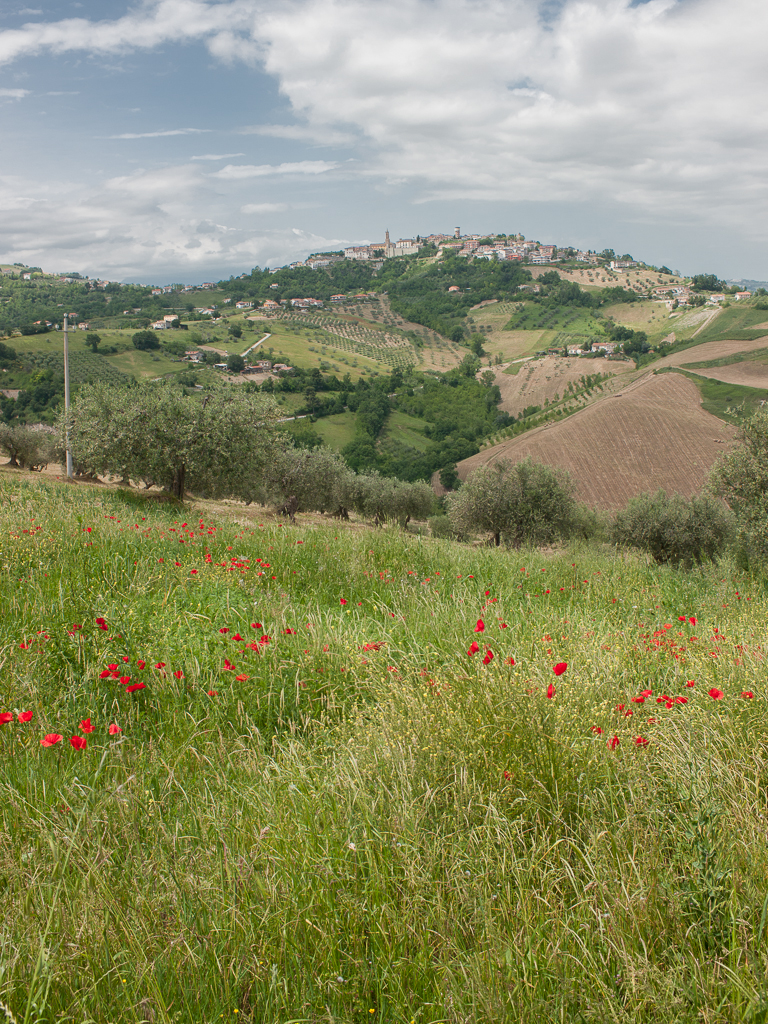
[(66, 396)]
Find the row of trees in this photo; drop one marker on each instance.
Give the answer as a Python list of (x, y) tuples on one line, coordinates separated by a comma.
[(225, 445)]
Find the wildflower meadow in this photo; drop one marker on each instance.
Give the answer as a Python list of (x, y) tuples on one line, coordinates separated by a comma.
[(258, 772)]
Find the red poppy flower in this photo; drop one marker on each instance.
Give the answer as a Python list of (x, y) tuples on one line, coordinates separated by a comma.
[(681, 700), (228, 666), (597, 730), (5, 717), (716, 694), (638, 700), (114, 729), (213, 693), (178, 674), (79, 742), (241, 679), (136, 686), (238, 637), (510, 660), (256, 625), (25, 716), (100, 622), (613, 742), (691, 682), (641, 742), (51, 739), (160, 664), (224, 629), (692, 620), (124, 680), (112, 668), (507, 775), (140, 664), (560, 668), (681, 618), (288, 632), (551, 691), (342, 600), (747, 694), (85, 725), (480, 627), (474, 647), (105, 674), (488, 657)]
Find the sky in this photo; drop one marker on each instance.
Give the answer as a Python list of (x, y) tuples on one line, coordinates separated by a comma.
[(171, 141)]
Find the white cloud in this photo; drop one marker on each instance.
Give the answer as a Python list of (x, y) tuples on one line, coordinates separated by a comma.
[(234, 172), (13, 94), (657, 106), (217, 156), (264, 208), (320, 134), (143, 226), (160, 135)]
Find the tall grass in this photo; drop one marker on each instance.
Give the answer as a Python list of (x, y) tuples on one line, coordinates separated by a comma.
[(395, 834)]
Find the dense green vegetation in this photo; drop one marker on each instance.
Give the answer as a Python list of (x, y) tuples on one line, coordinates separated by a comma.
[(278, 774)]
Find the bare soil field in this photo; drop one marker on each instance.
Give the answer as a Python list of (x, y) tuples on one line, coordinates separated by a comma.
[(714, 350), (653, 434), (752, 375), (539, 380)]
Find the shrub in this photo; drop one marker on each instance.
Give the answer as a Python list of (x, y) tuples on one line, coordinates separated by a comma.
[(675, 530)]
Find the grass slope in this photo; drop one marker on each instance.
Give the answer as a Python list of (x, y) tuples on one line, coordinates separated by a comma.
[(320, 808)]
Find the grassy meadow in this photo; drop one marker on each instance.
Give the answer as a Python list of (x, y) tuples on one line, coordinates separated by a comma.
[(259, 773)]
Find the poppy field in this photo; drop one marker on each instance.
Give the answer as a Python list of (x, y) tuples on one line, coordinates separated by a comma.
[(267, 773)]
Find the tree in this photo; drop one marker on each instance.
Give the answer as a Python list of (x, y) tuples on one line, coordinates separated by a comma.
[(476, 344), (526, 503), (218, 446), (26, 448), (235, 363), (236, 331), (674, 530), (92, 341), (741, 478), (145, 341)]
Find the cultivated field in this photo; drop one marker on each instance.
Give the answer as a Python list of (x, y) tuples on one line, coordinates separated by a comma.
[(713, 350), (652, 435), (749, 374), (547, 379)]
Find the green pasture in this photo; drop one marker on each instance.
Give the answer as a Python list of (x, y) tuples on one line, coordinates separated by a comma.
[(337, 430), (406, 429), (328, 773)]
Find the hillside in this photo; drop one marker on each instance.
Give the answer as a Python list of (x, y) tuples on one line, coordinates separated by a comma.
[(653, 434), (260, 773)]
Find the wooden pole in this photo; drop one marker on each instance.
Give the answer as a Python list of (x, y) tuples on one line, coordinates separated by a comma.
[(66, 396)]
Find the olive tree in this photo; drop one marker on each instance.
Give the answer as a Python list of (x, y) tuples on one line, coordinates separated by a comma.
[(525, 503), (25, 447), (303, 480), (218, 445), (674, 530), (741, 478)]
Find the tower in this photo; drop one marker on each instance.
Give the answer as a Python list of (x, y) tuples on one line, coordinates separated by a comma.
[(386, 238), (457, 232)]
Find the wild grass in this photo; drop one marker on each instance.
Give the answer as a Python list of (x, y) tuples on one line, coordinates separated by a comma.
[(398, 833)]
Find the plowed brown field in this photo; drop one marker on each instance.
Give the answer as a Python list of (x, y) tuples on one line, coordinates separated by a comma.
[(714, 350), (540, 379), (753, 375), (652, 435)]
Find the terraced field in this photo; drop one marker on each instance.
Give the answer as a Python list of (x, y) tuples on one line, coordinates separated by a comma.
[(547, 380)]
